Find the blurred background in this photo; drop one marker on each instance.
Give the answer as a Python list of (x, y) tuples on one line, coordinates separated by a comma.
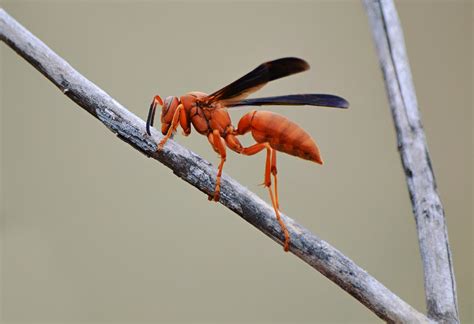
[(93, 231)]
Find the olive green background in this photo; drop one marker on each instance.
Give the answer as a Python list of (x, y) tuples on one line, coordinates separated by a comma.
[(93, 231)]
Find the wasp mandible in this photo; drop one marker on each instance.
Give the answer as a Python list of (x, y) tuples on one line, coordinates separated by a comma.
[(272, 132)]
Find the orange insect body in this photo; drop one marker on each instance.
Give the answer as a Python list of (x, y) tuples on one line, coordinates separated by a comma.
[(273, 132), (281, 133)]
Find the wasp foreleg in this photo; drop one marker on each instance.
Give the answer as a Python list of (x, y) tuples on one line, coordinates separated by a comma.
[(172, 129)]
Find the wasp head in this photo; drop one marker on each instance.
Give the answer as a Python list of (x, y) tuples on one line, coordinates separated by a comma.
[(168, 108)]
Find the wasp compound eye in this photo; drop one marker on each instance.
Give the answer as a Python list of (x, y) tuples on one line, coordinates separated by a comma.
[(166, 105)]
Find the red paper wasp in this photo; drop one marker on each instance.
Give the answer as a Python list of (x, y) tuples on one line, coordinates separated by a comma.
[(272, 132)]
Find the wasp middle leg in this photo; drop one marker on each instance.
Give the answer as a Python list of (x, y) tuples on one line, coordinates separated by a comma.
[(218, 144)]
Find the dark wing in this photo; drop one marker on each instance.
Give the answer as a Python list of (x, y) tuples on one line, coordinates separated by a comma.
[(257, 78), (325, 100)]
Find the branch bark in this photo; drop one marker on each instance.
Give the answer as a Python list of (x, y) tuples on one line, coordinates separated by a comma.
[(440, 284), (199, 173)]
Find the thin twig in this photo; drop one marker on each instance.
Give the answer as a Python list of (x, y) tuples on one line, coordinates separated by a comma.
[(440, 285), (199, 173)]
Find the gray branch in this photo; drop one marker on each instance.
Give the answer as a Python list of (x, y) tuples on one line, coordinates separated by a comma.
[(200, 174), (440, 285)]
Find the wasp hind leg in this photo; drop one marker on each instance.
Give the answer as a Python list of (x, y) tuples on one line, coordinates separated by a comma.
[(270, 169)]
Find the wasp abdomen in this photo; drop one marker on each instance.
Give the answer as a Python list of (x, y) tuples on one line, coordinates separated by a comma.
[(283, 135)]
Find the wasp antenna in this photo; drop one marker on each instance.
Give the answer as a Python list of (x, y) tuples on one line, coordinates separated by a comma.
[(158, 98), (151, 113)]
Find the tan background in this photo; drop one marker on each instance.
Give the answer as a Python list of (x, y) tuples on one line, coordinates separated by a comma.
[(93, 231)]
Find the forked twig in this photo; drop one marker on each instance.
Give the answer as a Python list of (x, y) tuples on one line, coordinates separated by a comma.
[(199, 173)]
